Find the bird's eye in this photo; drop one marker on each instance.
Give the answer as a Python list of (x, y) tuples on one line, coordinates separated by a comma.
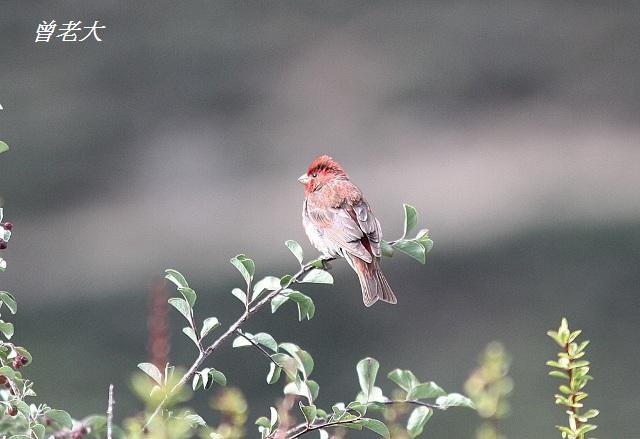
[(314, 175)]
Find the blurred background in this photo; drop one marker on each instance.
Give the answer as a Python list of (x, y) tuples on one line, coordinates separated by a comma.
[(176, 142)]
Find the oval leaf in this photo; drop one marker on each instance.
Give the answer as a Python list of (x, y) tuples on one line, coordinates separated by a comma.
[(9, 301), (151, 370), (367, 372), (295, 249), (208, 325), (417, 420), (454, 400), (410, 219), (182, 306), (177, 278), (60, 417), (377, 427), (317, 276), (412, 248)]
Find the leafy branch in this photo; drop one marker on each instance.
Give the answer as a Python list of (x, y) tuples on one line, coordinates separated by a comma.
[(571, 366), (255, 295), (370, 399)]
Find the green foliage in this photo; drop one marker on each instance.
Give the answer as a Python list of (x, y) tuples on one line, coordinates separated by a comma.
[(3, 147), (19, 417), (571, 367), (416, 247), (356, 414), (489, 387), (5, 235)]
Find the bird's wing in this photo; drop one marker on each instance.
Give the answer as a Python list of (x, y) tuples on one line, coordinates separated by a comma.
[(341, 227), (369, 224)]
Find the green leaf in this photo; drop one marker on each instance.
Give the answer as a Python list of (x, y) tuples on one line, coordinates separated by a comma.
[(454, 400), (586, 428), (268, 283), (285, 280), (273, 419), (266, 340), (8, 372), (7, 329), (240, 341), (306, 307), (417, 420), (306, 363), (218, 376), (317, 276), (289, 348), (209, 324), (207, 382), (193, 419), (177, 278), (298, 387), (3, 265), (314, 388), (60, 417), (240, 295), (592, 413), (386, 249), (274, 373), (38, 430), (151, 370), (295, 249), (376, 426), (308, 411), (3, 147), (403, 378), (189, 332), (277, 302), (425, 390), (412, 248), (559, 374), (182, 306), (261, 338), (196, 382), (9, 301), (245, 266), (367, 371), (263, 421), (189, 295), (410, 219), (358, 407), (289, 364), (376, 395)]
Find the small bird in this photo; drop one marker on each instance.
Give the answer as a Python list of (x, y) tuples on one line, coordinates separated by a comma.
[(339, 222)]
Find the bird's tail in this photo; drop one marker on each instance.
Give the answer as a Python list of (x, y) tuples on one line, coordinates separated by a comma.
[(372, 281)]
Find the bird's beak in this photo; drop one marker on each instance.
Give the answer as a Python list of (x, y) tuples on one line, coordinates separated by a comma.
[(304, 179)]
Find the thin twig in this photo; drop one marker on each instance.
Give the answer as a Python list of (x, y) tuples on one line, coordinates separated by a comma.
[(413, 402), (203, 355), (110, 412), (257, 346)]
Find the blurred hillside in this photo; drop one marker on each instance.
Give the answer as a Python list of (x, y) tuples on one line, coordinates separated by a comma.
[(176, 142)]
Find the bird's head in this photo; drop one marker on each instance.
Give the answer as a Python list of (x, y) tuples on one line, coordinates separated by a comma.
[(321, 170)]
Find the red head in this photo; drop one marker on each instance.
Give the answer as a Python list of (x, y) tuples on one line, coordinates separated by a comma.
[(321, 170)]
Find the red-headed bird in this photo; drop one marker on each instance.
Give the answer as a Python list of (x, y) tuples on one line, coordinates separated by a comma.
[(339, 222)]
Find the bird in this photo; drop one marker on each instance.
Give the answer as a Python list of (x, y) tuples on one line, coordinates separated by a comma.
[(339, 223)]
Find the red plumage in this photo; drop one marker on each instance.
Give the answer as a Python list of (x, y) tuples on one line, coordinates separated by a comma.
[(339, 222)]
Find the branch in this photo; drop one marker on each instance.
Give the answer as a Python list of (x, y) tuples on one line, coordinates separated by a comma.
[(313, 427), (304, 428), (204, 354), (110, 412)]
